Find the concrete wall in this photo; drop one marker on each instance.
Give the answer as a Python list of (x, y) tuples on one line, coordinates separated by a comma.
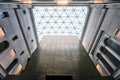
[(110, 25), (18, 51), (96, 16), (111, 22), (107, 23)]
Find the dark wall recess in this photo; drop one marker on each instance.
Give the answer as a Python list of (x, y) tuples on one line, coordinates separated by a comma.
[(4, 14), (32, 40), (15, 38), (12, 65), (24, 12), (4, 45), (28, 27), (114, 46), (22, 53), (110, 56), (104, 62)]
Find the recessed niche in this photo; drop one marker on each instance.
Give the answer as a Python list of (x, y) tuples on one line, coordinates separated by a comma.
[(22, 53), (4, 45), (9, 68), (2, 33), (32, 40), (15, 38), (18, 69), (28, 27), (113, 45), (110, 56), (4, 14), (104, 62), (24, 12), (101, 49), (106, 41)]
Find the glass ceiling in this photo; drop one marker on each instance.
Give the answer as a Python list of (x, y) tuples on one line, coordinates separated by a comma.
[(58, 20)]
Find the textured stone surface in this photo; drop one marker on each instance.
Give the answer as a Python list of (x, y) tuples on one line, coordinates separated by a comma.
[(59, 55)]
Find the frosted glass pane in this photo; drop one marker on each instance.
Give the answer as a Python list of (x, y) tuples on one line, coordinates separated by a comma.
[(58, 20)]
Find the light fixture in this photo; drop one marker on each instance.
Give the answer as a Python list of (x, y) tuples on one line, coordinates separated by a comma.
[(100, 70), (98, 1), (2, 33), (11, 53), (18, 69), (62, 2), (27, 1), (117, 33)]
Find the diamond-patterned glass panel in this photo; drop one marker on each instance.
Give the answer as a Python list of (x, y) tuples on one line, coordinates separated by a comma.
[(58, 20)]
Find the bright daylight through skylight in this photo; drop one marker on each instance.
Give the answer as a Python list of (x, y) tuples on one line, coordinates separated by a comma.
[(59, 20)]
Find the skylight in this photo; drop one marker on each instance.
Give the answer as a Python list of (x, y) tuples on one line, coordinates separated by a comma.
[(60, 20)]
